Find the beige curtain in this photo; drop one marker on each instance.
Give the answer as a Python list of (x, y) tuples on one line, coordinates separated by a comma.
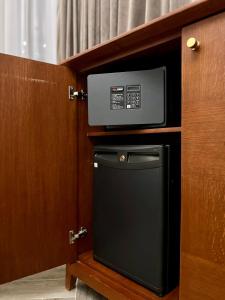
[(85, 23)]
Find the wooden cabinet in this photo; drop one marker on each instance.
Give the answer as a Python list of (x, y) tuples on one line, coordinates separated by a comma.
[(46, 155), (203, 162)]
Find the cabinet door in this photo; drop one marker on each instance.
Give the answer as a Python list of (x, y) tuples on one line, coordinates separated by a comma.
[(203, 162), (38, 153)]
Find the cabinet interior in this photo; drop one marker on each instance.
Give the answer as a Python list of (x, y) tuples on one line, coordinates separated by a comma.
[(169, 54)]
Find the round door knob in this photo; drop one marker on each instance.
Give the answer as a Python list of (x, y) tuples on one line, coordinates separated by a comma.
[(193, 43)]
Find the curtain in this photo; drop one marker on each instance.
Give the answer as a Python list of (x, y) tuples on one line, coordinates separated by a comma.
[(85, 23), (28, 28)]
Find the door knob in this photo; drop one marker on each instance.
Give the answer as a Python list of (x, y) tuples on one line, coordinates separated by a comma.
[(193, 43)]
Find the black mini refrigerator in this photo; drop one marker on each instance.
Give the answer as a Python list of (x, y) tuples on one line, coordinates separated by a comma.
[(136, 214)]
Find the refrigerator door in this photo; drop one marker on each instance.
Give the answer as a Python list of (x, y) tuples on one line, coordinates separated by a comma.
[(130, 212)]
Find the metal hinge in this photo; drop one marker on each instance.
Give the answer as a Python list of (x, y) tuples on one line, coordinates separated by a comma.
[(76, 236), (76, 95)]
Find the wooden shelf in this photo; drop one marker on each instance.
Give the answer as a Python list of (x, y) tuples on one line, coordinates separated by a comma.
[(111, 284), (136, 131)]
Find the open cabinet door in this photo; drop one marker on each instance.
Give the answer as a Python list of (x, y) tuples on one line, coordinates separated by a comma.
[(38, 167)]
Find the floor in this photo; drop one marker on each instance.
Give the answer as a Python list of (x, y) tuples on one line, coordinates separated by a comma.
[(48, 285)]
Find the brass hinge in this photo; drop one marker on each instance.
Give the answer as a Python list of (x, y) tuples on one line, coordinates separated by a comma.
[(76, 95), (75, 236)]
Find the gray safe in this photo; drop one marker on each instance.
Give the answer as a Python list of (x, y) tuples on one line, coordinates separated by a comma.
[(128, 98)]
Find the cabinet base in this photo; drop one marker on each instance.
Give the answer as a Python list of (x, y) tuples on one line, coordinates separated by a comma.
[(70, 280), (111, 284)]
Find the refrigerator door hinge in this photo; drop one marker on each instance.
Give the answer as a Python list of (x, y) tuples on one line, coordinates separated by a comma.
[(76, 236), (76, 95)]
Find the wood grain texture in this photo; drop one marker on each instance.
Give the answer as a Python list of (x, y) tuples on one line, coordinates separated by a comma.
[(144, 36), (38, 151), (85, 178), (70, 280), (111, 284), (200, 285), (96, 59), (203, 163), (135, 131)]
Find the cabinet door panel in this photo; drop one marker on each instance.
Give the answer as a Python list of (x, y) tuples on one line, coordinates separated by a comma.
[(203, 162), (38, 152)]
